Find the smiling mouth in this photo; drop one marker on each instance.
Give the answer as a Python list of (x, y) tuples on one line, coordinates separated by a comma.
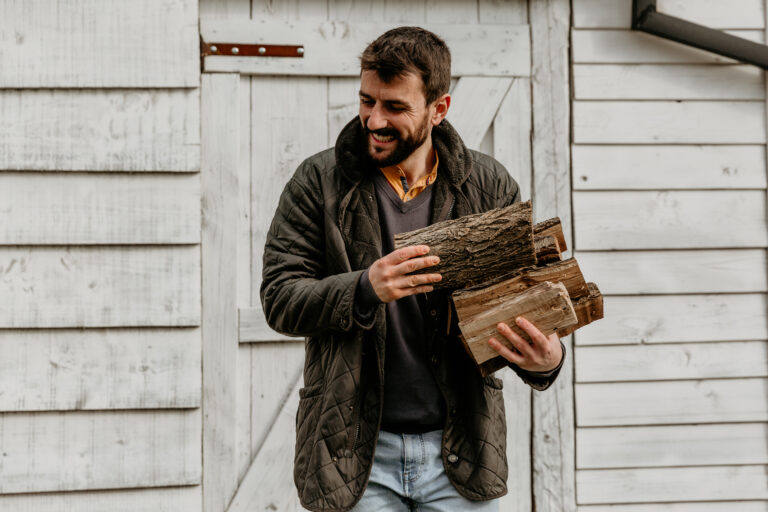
[(382, 139)]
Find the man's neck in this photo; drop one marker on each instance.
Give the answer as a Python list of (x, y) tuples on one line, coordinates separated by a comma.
[(419, 163)]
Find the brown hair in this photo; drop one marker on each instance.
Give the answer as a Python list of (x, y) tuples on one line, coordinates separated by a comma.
[(411, 50)]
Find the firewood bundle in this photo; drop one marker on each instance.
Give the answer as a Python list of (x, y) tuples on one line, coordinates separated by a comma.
[(501, 266)]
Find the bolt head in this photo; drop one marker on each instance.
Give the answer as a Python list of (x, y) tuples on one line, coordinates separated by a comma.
[(235, 50), (262, 50), (300, 51), (214, 49)]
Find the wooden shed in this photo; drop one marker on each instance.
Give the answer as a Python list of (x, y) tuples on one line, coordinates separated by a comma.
[(137, 181)]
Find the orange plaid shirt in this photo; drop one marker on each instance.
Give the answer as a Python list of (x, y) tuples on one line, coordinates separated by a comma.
[(397, 180)]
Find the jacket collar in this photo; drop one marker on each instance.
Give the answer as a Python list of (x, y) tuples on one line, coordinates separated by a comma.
[(455, 158)]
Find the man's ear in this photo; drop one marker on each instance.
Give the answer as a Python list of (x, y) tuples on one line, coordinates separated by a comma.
[(441, 109)]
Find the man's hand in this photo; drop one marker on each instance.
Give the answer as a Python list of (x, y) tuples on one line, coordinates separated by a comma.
[(388, 274), (541, 354)]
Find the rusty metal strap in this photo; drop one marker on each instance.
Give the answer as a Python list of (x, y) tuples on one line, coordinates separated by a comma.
[(251, 50)]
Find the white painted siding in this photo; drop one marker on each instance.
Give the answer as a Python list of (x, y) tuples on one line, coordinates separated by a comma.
[(100, 339), (669, 176)]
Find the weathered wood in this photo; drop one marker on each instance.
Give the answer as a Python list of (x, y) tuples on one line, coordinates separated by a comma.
[(471, 118), (44, 452), (679, 318), (702, 219), (54, 209), (84, 44), (54, 370), (672, 445), (699, 271), (477, 300), (697, 506), (634, 47), (621, 167), (552, 227), (711, 13), (670, 122), (672, 484), (343, 104), (225, 9), (546, 305), (547, 249), (672, 402), (105, 286), (512, 134), (100, 130), (332, 47), (588, 309), (219, 176), (667, 82), (476, 247), (253, 327), (168, 499)]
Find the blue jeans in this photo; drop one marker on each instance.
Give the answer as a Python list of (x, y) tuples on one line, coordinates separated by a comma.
[(408, 475)]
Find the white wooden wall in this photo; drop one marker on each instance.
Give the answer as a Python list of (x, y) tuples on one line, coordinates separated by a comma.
[(669, 177), (99, 256)]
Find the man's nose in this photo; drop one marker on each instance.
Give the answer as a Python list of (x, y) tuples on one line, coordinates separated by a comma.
[(376, 120)]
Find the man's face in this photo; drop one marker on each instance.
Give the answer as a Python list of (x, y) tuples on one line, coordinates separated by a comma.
[(395, 116)]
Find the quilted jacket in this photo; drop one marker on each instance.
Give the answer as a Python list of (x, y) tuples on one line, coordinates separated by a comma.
[(324, 234)]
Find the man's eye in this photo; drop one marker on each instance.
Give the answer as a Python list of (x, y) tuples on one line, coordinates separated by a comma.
[(396, 108), (366, 102)]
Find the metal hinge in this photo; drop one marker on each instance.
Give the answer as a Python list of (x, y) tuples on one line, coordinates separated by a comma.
[(251, 50)]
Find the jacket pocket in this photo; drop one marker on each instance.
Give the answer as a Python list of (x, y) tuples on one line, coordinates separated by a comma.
[(494, 382), (307, 397)]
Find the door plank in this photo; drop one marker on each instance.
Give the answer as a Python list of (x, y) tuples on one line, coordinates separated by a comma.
[(56, 370), (254, 327), (698, 506), (512, 134), (473, 118), (168, 499)]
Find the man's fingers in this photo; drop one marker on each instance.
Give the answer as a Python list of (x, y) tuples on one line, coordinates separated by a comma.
[(536, 335), (521, 345), (406, 253), (505, 352), (414, 264)]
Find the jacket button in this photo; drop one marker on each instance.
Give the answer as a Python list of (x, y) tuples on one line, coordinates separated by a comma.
[(347, 453), (433, 312), (452, 458)]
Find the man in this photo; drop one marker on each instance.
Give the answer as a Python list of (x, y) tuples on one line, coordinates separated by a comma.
[(394, 415)]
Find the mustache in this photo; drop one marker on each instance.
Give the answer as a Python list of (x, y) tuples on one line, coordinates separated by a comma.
[(386, 132)]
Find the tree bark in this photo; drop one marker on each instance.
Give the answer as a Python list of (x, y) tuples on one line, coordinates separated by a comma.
[(475, 247)]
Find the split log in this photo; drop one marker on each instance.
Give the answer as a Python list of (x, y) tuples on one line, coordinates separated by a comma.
[(474, 247), (480, 298), (547, 249), (551, 227), (546, 305)]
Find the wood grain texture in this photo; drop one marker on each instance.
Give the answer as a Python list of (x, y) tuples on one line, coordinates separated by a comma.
[(167, 499), (253, 327), (622, 167), (673, 402), (679, 318), (503, 11), (687, 271), (100, 130), (43, 208), (122, 286), (683, 445), (343, 104), (670, 220), (332, 47), (672, 361), (553, 432), (512, 134), (667, 82), (517, 405), (633, 47), (668, 122), (711, 13), (472, 118), (219, 176), (55, 370), (96, 43), (99, 450), (225, 9), (698, 506), (672, 484)]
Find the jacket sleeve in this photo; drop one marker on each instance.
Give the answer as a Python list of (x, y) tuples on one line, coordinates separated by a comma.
[(297, 297)]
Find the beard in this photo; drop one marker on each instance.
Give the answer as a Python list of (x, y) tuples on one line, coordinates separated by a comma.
[(404, 146)]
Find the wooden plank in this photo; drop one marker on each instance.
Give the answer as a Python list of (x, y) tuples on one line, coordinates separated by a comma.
[(512, 134), (667, 82), (288, 10), (698, 506), (503, 11), (100, 130), (672, 484), (684, 445), (675, 220), (268, 485), (668, 122), (225, 9), (45, 452), (253, 327), (288, 124), (343, 105), (332, 47), (711, 13), (168, 499), (473, 118), (84, 44), (671, 402), (679, 318), (668, 167), (219, 175), (633, 47), (701, 271), (517, 405), (55, 370), (451, 11), (42, 208), (244, 248), (122, 286), (553, 448), (672, 361)]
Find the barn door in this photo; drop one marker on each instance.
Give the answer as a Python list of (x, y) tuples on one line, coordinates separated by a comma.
[(261, 117)]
